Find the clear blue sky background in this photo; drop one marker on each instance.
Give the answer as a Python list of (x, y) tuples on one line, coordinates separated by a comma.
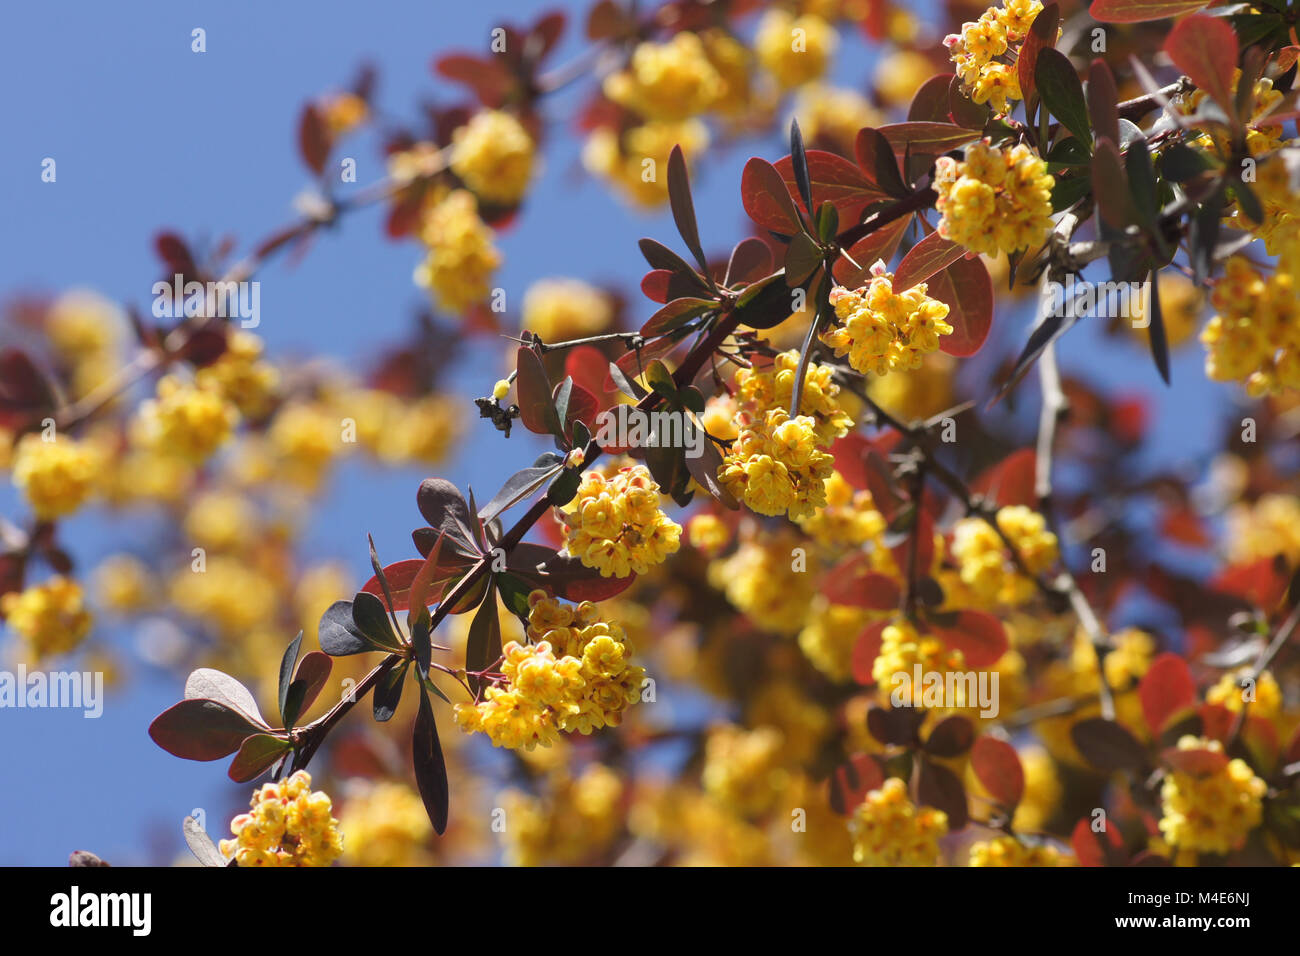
[(149, 135)]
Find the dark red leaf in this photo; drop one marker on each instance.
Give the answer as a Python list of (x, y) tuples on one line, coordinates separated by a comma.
[(997, 765), (1166, 691)]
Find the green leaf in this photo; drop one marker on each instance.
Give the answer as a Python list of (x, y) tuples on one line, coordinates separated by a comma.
[(1062, 93), (256, 755)]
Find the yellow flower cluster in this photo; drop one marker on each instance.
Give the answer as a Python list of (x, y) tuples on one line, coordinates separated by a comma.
[(882, 330), (577, 817), (228, 594), (829, 636), (889, 830), (1255, 337), (387, 825), (985, 566), (1008, 851), (776, 466), (1280, 230), (795, 50), (55, 477), (86, 330), (758, 390), (761, 580), (51, 618), (635, 161), (1264, 528), (1262, 699), (614, 524), (923, 393), (289, 826), (834, 115), (902, 648), (743, 769), (241, 375), (493, 155), (123, 584), (461, 258), (1212, 813), (1261, 137), (562, 309), (975, 49), (576, 676), (995, 200), (708, 534), (849, 517), (667, 81), (343, 112), (185, 420), (306, 438)]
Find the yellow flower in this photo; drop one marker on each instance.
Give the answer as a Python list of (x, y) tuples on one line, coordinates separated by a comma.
[(743, 769), (461, 258), (985, 565), (708, 534), (1255, 337), (834, 115), (614, 524), (1214, 812), (562, 309), (1267, 527), (794, 50), (289, 826), (51, 618), (82, 325), (387, 825), (667, 81), (889, 830), (55, 477), (575, 819), (776, 467), (995, 200), (242, 376), (1262, 698), (882, 330), (493, 155), (307, 438), (184, 420), (760, 390), (829, 636), (770, 579), (1009, 851), (635, 162), (343, 112), (902, 649), (900, 74), (124, 584)]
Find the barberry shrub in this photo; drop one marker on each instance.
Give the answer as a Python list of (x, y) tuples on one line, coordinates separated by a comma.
[(906, 623)]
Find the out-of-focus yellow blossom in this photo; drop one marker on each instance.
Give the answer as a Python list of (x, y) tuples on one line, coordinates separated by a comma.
[(1264, 528), (995, 200), (306, 436), (50, 618), (829, 636), (803, 722), (708, 534), (1262, 699), (123, 584), (1181, 303), (1009, 851), (55, 477), (577, 818), (743, 769), (834, 115), (427, 432), (1042, 790), (667, 81), (900, 74), (227, 594), (922, 393), (461, 257), (82, 325), (636, 162), (493, 155), (1213, 812), (343, 112), (697, 829), (147, 474), (185, 420), (986, 566), (387, 825), (289, 826), (732, 61), (221, 520), (614, 524), (881, 330), (561, 309), (775, 466), (1277, 192), (902, 650), (759, 390), (889, 830), (761, 580), (1255, 335), (242, 375), (849, 517), (317, 588), (795, 50)]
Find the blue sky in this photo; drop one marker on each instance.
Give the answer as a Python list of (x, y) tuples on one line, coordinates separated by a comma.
[(148, 135)]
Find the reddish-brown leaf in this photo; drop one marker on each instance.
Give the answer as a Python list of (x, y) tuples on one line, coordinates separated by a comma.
[(1166, 691), (997, 766)]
